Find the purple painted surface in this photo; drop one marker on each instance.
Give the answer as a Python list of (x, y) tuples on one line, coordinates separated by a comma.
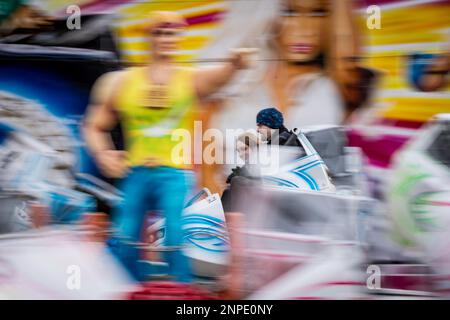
[(205, 18), (366, 3), (398, 123), (98, 6), (380, 149)]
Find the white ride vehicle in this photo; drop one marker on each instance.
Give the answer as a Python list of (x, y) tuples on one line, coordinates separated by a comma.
[(419, 198), (207, 240), (306, 172), (419, 192)]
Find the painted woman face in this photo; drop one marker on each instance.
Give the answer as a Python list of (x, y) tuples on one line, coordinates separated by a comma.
[(302, 29)]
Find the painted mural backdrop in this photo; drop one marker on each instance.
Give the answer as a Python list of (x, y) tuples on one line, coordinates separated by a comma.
[(412, 34), (408, 54), (203, 18)]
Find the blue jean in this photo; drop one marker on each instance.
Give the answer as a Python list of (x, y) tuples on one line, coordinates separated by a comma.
[(159, 188)]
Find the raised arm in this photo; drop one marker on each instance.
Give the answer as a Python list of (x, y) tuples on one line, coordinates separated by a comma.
[(209, 80), (100, 119)]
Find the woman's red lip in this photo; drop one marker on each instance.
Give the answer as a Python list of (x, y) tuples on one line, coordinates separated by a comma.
[(300, 48)]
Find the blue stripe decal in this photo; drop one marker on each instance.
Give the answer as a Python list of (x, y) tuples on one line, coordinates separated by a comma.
[(306, 157), (306, 178), (282, 182), (210, 219), (202, 231), (308, 164), (312, 166), (205, 248), (312, 180)]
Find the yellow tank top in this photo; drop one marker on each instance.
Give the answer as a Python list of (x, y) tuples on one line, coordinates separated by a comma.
[(157, 120)]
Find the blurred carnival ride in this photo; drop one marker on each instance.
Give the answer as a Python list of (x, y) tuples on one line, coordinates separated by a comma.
[(288, 241), (285, 242)]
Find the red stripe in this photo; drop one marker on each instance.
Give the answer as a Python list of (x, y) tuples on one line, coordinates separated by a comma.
[(366, 3), (339, 283), (440, 203), (206, 18), (329, 284), (400, 123), (101, 5), (96, 6)]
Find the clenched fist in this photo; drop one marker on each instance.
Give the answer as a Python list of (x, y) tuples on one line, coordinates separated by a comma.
[(113, 163), (242, 58)]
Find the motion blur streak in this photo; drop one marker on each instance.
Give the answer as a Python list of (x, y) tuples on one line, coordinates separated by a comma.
[(349, 101)]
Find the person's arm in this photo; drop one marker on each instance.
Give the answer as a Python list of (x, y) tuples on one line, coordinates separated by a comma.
[(25, 17), (209, 80), (100, 119)]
